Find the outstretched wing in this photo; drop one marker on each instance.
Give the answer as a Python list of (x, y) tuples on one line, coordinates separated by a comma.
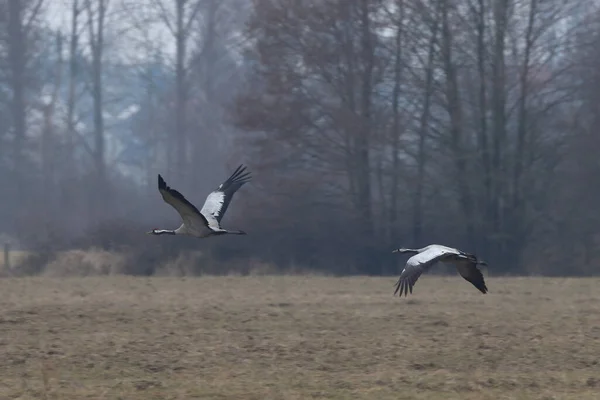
[(217, 201), (188, 212), (418, 264), (468, 270)]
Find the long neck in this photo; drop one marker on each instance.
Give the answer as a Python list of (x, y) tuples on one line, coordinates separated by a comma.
[(409, 251), (164, 232), (231, 232)]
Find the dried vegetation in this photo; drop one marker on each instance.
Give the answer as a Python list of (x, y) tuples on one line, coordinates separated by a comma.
[(298, 337)]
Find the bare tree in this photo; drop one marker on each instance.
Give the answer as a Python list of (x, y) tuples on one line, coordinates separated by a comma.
[(455, 110), (213, 74), (322, 100), (429, 22), (180, 25), (74, 37), (96, 13), (370, 123), (397, 19), (20, 20), (486, 133), (49, 148), (205, 78)]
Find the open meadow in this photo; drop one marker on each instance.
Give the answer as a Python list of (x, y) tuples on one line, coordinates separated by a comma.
[(295, 337)]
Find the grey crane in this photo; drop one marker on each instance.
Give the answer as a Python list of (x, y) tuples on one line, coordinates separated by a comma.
[(424, 258), (207, 221)]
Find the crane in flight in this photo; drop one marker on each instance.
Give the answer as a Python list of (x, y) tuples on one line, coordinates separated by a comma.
[(207, 221), (424, 258)]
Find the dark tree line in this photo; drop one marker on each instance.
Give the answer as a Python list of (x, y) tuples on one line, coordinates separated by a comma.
[(368, 125), (418, 122)]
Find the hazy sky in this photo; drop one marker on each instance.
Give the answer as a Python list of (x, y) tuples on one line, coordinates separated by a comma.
[(58, 16)]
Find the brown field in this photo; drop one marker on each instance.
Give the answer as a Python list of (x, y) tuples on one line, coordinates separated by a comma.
[(298, 338)]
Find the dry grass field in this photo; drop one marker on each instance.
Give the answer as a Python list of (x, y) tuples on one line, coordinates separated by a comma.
[(298, 338), (15, 257)]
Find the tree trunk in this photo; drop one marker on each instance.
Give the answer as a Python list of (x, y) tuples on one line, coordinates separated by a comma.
[(203, 157), (181, 94), (73, 71), (482, 136), (517, 212), (100, 195), (362, 139), (423, 131), (456, 126), (499, 126), (393, 221), (16, 54)]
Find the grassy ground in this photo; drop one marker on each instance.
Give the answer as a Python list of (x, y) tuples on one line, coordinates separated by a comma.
[(298, 338), (15, 256)]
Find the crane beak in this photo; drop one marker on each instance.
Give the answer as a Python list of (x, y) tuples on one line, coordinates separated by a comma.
[(149, 232)]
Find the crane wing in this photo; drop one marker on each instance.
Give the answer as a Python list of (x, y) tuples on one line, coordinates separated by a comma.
[(468, 270), (192, 218), (217, 201), (418, 264)]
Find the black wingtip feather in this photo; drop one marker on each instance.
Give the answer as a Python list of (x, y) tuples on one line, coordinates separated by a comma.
[(162, 185), (239, 177), (402, 288), (478, 281)]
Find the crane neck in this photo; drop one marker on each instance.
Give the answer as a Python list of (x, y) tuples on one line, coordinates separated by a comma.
[(407, 251), (163, 232)]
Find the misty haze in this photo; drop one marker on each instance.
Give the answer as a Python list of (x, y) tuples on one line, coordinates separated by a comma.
[(367, 126)]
